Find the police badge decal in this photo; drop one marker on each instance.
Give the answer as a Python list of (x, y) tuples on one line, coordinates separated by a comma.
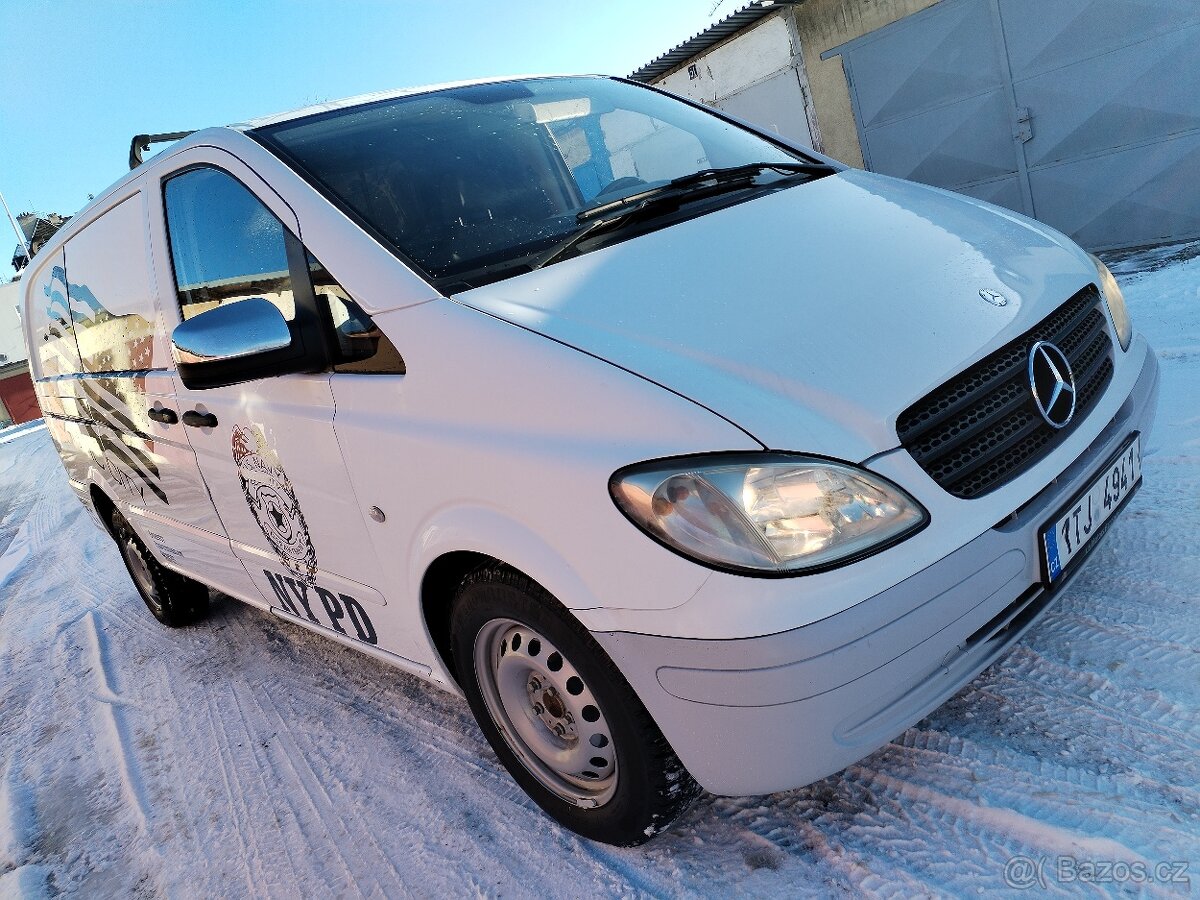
[(272, 499)]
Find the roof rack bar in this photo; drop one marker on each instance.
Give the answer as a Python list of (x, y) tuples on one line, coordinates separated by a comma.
[(141, 143)]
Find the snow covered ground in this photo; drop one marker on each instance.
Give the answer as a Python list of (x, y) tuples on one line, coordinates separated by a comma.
[(244, 756)]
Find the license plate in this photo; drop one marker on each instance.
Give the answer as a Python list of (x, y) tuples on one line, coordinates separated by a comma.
[(1082, 519)]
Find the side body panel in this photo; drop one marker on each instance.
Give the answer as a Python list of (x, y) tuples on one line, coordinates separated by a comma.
[(54, 358), (501, 442), (98, 388)]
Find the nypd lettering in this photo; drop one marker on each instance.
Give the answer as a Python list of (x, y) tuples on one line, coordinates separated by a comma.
[(323, 607)]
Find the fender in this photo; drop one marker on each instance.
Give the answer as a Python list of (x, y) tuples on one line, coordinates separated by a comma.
[(489, 531)]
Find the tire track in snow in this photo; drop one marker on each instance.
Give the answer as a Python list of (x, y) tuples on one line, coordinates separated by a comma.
[(1096, 637), (301, 784), (248, 853), (425, 738), (1031, 669), (1143, 622), (970, 756), (1110, 806), (1035, 834), (813, 834), (855, 874), (269, 731), (412, 729), (115, 726), (1086, 622), (17, 824), (422, 721)]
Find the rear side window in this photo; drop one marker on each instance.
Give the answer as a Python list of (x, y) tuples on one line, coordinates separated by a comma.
[(226, 246), (51, 332), (110, 293)]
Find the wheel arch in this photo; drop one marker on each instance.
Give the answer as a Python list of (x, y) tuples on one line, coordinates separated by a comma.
[(460, 540), (438, 586), (102, 504)]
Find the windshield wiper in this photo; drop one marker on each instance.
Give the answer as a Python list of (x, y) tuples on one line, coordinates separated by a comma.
[(692, 187), (718, 176)]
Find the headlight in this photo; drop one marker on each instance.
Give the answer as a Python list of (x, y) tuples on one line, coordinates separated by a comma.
[(767, 513), (1111, 292)]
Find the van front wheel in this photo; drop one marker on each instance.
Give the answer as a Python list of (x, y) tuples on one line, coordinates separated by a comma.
[(173, 599), (559, 714)]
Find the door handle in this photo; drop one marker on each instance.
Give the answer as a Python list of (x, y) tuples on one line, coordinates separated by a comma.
[(197, 419), (165, 416)]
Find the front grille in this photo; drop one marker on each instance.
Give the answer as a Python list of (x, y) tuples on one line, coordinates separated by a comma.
[(982, 429)]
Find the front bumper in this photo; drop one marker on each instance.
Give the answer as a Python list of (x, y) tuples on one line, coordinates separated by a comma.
[(764, 714)]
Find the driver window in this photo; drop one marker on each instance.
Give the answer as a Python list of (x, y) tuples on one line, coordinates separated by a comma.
[(226, 246)]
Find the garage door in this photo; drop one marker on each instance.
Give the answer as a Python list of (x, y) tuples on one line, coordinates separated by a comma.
[(1083, 113)]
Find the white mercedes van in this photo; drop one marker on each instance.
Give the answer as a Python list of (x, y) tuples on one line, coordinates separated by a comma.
[(691, 458)]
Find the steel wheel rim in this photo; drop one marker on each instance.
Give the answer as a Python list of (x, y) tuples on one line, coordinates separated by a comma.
[(530, 689), (140, 572)]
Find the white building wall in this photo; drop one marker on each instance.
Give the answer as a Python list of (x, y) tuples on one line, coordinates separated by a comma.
[(757, 75), (752, 56), (12, 342)]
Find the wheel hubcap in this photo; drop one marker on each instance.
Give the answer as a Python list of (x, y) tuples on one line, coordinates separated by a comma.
[(546, 712)]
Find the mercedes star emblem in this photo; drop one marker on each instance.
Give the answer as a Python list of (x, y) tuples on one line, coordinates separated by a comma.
[(1052, 383), (994, 297)]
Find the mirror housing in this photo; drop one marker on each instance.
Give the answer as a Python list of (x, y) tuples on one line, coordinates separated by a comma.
[(241, 342)]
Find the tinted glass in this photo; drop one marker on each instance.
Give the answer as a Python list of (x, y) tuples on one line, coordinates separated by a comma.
[(226, 245), (476, 177)]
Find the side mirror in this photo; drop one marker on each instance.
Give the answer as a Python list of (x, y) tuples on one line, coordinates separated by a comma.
[(241, 342)]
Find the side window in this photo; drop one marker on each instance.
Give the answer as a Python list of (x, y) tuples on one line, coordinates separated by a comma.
[(226, 246), (359, 345), (110, 293), (51, 331)]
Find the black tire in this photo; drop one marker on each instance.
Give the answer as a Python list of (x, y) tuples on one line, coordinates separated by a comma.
[(173, 599), (652, 788)]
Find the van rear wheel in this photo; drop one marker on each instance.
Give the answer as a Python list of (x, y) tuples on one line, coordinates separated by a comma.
[(560, 715), (173, 599)]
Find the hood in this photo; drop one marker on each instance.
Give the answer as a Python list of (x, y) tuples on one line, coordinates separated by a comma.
[(810, 317)]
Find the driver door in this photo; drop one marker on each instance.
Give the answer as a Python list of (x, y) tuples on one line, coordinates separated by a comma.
[(266, 448)]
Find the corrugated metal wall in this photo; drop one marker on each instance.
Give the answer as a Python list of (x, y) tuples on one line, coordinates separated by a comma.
[(1083, 113)]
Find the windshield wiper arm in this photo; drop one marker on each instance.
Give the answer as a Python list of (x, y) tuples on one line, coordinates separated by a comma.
[(577, 237), (597, 218), (725, 175)]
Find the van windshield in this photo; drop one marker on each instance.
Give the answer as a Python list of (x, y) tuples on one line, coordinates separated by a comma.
[(472, 184)]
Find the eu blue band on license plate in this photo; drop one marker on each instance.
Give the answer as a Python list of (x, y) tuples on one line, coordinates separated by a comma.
[(1053, 566), (1086, 516)]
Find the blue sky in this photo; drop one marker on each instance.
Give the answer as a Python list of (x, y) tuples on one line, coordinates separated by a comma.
[(79, 79)]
